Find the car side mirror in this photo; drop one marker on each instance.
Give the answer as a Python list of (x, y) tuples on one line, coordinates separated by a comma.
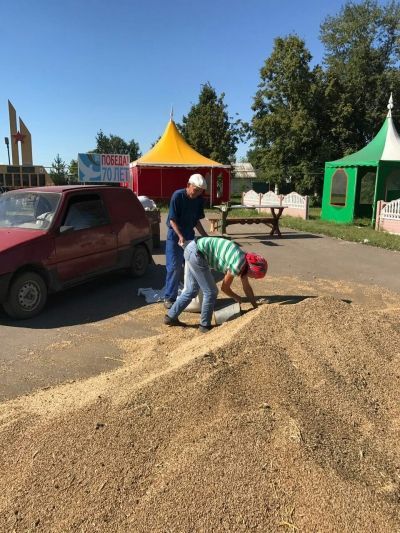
[(65, 229)]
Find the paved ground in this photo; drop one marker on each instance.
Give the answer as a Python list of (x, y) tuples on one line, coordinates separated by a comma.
[(76, 335), (308, 256)]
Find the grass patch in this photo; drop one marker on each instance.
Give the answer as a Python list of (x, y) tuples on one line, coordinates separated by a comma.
[(238, 213), (360, 231)]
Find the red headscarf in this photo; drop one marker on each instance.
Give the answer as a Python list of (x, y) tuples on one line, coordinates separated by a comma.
[(256, 265)]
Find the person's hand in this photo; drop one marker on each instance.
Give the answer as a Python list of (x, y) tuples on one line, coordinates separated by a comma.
[(253, 302), (181, 241)]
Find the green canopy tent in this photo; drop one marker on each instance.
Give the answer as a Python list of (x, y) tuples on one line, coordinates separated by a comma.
[(354, 184)]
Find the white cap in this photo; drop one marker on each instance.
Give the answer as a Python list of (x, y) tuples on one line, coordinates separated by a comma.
[(198, 181)]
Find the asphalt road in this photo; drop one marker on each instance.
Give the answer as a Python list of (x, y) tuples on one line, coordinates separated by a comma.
[(74, 337)]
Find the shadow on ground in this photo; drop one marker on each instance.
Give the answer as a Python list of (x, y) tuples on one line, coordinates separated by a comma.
[(291, 299), (283, 299), (97, 300), (268, 240), (300, 236)]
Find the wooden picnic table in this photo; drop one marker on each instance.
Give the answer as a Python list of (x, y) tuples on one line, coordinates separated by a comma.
[(271, 221)]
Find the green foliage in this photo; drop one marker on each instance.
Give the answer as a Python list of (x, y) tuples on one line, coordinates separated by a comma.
[(73, 171), (58, 171), (112, 144), (287, 126), (209, 129), (361, 61), (305, 116)]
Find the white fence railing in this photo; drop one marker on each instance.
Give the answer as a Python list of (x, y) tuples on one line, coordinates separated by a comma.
[(270, 198), (388, 216), (251, 199), (295, 204)]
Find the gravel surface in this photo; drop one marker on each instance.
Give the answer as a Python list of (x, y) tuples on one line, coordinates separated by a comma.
[(284, 419)]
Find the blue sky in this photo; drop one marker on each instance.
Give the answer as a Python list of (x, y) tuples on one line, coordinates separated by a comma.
[(74, 67)]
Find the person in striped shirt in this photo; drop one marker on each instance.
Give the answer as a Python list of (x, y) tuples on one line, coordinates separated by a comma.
[(224, 256)]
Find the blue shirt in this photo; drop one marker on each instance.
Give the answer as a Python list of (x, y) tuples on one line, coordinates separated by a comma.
[(185, 212)]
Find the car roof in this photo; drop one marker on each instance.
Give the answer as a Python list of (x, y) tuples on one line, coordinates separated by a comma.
[(64, 188)]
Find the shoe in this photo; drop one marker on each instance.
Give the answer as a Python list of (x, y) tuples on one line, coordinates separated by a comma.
[(168, 321), (205, 329), (168, 304)]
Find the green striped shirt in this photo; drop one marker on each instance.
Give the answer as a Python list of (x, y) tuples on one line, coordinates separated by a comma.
[(222, 255)]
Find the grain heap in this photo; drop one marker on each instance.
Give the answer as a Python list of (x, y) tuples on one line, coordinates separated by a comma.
[(285, 419)]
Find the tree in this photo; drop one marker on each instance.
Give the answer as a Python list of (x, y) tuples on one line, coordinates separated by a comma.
[(73, 171), (155, 142), (304, 117), (208, 128), (112, 144), (58, 171), (362, 46), (287, 124)]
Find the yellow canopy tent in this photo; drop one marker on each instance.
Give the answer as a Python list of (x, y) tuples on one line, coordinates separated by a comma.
[(172, 149), (168, 165)]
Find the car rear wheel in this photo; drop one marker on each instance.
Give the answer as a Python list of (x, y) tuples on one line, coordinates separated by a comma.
[(140, 261), (27, 296)]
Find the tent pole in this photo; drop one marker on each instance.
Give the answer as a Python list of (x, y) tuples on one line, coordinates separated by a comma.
[(211, 186)]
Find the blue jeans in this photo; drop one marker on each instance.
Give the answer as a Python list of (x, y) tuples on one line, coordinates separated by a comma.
[(198, 277), (174, 264)]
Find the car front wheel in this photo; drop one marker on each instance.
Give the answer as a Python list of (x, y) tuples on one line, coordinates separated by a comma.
[(140, 261), (26, 297)]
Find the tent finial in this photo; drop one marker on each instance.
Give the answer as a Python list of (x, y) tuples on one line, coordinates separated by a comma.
[(171, 115), (390, 105)]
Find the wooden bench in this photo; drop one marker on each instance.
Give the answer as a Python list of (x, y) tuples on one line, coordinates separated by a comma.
[(221, 222), (216, 222)]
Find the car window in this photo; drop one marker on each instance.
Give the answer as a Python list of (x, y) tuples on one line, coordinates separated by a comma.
[(86, 211), (31, 210)]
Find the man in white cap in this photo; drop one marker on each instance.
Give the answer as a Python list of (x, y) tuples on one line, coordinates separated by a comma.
[(186, 209)]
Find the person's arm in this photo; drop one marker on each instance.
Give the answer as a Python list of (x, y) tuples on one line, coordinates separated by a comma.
[(175, 227), (174, 216), (248, 291), (201, 230), (226, 287), (201, 215)]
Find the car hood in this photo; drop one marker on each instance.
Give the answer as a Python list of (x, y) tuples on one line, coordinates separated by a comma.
[(12, 237)]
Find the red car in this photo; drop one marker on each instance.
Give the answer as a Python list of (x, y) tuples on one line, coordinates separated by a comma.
[(55, 237)]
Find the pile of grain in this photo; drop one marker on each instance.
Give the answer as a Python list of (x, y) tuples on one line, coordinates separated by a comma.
[(285, 419)]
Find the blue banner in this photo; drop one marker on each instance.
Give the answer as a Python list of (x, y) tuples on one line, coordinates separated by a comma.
[(107, 168)]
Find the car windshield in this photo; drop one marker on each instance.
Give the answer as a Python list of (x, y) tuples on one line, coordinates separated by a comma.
[(30, 209)]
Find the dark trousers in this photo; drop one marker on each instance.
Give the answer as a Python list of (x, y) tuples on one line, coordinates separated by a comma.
[(174, 265)]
